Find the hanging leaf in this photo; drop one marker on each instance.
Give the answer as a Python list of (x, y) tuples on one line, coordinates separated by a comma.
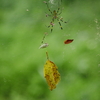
[(51, 74), (68, 41)]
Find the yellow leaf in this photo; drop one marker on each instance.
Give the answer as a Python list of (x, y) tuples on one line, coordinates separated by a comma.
[(51, 74)]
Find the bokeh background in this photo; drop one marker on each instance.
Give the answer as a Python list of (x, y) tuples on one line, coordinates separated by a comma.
[(22, 27)]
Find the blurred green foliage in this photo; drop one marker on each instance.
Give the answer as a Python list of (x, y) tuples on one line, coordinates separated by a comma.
[(22, 26)]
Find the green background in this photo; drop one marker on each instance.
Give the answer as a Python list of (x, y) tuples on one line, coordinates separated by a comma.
[(22, 27)]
